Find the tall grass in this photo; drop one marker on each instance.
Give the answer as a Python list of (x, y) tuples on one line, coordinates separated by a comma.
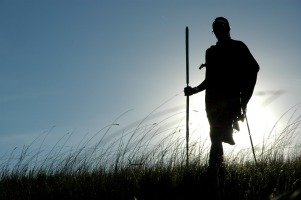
[(147, 161)]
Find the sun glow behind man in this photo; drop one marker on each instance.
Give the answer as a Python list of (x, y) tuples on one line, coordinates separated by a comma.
[(261, 121)]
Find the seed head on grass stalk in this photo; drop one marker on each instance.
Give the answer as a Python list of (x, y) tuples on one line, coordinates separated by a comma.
[(142, 121), (145, 140)]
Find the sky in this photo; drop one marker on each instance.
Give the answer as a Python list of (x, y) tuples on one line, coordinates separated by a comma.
[(76, 65)]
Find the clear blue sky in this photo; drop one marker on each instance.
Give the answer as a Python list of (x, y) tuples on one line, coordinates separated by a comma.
[(78, 64)]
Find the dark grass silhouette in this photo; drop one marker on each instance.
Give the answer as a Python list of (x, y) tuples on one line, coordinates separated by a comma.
[(147, 161)]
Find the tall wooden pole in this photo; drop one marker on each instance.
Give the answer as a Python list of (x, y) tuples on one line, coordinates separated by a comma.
[(187, 97)]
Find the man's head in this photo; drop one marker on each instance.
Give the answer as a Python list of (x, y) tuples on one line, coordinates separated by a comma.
[(221, 28)]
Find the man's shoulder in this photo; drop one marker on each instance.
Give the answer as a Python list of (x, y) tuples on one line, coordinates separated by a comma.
[(229, 42), (232, 44), (211, 48), (238, 43)]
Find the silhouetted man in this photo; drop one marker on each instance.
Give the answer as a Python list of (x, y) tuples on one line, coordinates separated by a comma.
[(231, 73)]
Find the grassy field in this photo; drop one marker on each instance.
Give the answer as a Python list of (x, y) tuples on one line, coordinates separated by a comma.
[(132, 167), (242, 181)]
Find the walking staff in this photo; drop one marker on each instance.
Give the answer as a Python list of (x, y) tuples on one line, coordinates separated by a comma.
[(187, 97)]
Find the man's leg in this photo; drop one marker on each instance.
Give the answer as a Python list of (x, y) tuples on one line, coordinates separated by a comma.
[(216, 155), (216, 150), (215, 164)]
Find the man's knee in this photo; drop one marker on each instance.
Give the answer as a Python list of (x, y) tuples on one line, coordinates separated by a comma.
[(216, 133)]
